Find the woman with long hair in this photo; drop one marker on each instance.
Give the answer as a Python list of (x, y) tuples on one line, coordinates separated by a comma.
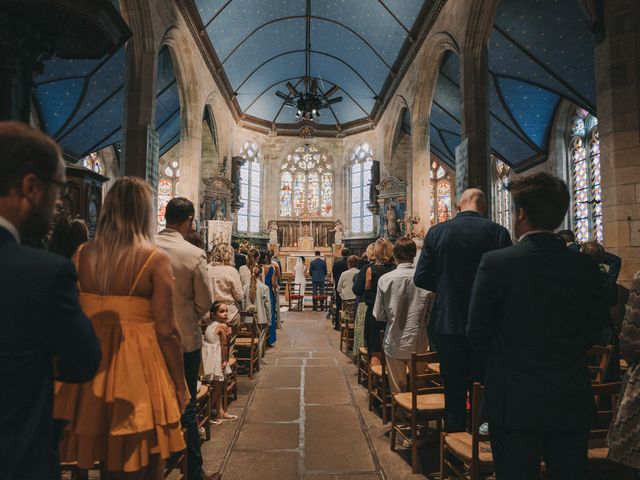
[(245, 270), (225, 280), (128, 416), (268, 272), (383, 251), (258, 298), (361, 306), (300, 277)]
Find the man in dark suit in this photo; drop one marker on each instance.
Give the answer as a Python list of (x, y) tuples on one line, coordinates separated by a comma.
[(318, 271), (238, 258), (535, 309), (339, 267), (448, 263), (43, 332)]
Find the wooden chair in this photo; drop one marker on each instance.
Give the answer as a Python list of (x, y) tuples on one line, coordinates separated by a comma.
[(247, 351), (378, 387), (295, 296), (362, 362), (231, 379), (606, 397), (347, 325), (599, 357), (76, 473), (471, 451), (423, 404), (203, 409)]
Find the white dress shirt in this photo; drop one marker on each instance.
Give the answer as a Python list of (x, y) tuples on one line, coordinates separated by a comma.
[(405, 308), (4, 223), (345, 284)]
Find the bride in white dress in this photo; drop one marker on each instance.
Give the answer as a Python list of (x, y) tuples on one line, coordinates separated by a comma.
[(300, 272)]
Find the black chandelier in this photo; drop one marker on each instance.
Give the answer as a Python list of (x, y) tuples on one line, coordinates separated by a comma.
[(309, 103)]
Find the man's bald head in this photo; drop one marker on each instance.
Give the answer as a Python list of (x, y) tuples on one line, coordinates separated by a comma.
[(473, 199)]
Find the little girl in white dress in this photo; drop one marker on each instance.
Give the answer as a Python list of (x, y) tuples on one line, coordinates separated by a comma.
[(215, 358)]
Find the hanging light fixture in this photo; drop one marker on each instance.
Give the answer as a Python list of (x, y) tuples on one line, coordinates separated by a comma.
[(308, 103)]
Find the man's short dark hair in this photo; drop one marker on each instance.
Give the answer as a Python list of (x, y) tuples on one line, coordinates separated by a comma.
[(345, 252), (568, 236), (404, 249), (25, 150), (235, 245), (317, 253), (543, 197), (352, 261), (179, 209)]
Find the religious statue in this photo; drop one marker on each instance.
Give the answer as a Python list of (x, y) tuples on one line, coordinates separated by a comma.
[(339, 231), (273, 232), (407, 224), (219, 209), (391, 221)]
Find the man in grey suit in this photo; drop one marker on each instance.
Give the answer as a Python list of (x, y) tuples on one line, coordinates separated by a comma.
[(193, 300)]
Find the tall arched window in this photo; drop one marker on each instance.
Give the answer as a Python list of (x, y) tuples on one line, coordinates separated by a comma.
[(249, 214), (361, 163), (440, 193), (584, 161), (502, 197), (168, 187), (306, 184)]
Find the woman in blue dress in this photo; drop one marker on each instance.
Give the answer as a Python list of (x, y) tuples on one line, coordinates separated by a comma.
[(270, 280)]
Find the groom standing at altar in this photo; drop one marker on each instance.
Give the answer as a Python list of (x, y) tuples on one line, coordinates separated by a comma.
[(318, 271)]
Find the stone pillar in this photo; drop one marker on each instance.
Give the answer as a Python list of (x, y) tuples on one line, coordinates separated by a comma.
[(475, 115), (191, 156), (140, 92), (418, 185), (618, 102)]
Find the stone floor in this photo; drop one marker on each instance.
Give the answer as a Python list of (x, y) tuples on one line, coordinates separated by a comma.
[(304, 416)]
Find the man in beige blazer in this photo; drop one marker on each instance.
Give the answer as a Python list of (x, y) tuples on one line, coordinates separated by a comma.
[(193, 299)]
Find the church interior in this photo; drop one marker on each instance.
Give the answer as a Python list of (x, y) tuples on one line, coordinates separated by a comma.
[(306, 127)]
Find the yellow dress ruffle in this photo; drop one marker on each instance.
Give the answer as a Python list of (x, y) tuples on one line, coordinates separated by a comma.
[(129, 411)]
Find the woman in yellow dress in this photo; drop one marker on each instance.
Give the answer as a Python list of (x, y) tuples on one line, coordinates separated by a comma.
[(127, 417)]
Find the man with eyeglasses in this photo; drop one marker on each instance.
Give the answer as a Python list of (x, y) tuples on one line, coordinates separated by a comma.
[(44, 335)]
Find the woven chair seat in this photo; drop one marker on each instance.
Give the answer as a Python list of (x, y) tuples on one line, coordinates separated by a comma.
[(433, 402), (460, 444)]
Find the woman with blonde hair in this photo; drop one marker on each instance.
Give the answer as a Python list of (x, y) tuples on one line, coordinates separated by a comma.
[(245, 270), (383, 251), (258, 298), (128, 416), (361, 306), (225, 280)]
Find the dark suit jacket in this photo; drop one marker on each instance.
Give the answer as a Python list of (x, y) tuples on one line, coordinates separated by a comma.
[(318, 270), (448, 265), (611, 260), (41, 320), (360, 280), (239, 260), (339, 267), (535, 309)]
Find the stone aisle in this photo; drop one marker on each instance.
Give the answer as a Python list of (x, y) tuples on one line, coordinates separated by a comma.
[(304, 417)]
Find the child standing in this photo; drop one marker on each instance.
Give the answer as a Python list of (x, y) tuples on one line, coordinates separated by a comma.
[(215, 357)]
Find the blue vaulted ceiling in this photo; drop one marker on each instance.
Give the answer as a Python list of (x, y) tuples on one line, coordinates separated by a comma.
[(80, 103), (540, 52), (354, 44)]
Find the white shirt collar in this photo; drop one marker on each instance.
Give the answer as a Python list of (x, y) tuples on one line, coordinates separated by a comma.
[(532, 232), (4, 223), (404, 265)]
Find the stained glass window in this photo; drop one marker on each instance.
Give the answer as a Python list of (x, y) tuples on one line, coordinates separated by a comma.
[(250, 191), (306, 184), (93, 162), (585, 177), (440, 193), (502, 197), (361, 164), (168, 186)]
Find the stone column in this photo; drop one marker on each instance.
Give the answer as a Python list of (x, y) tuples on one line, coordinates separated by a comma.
[(418, 185), (191, 155), (475, 115), (618, 102), (140, 94)]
